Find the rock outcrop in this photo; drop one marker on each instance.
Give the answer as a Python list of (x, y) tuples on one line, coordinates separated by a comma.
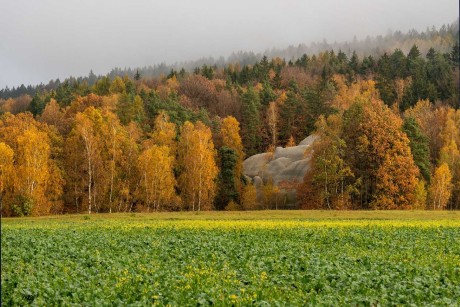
[(288, 164)]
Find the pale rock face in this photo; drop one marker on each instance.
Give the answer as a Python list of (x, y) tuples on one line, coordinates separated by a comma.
[(309, 140), (284, 165), (255, 163)]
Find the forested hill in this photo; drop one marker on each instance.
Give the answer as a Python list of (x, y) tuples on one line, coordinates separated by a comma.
[(388, 127), (442, 40)]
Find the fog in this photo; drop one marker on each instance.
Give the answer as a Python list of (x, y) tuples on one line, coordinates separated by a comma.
[(48, 39)]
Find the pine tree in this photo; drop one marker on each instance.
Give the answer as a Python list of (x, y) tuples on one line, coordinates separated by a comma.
[(137, 76), (419, 146), (251, 121), (227, 181)]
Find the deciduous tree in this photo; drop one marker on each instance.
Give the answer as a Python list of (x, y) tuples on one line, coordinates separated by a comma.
[(158, 182), (441, 187), (196, 160), (6, 170), (379, 155)]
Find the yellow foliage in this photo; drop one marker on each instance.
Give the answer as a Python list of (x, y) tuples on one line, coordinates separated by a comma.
[(420, 196), (232, 206), (291, 142), (172, 83), (347, 95), (164, 133), (31, 181), (6, 167), (249, 197), (282, 98), (196, 158), (441, 187), (158, 182), (117, 86)]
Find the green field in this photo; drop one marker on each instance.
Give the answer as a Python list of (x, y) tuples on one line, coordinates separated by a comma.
[(233, 258)]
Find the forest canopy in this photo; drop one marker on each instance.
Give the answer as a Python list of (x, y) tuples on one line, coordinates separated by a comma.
[(388, 127)]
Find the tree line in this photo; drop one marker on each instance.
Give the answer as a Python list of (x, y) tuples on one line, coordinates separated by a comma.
[(388, 127), (441, 39)]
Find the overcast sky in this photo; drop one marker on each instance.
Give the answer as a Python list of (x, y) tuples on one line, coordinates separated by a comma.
[(47, 39)]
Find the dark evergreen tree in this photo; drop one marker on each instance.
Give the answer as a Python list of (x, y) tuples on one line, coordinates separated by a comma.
[(367, 68), (227, 182), (64, 93), (137, 76), (398, 64), (37, 104), (431, 54), (102, 86), (414, 53), (266, 94), (354, 63), (171, 74), (250, 110), (419, 145), (440, 75), (207, 72), (385, 80)]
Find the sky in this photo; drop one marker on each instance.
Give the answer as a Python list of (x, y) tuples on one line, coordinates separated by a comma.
[(42, 40)]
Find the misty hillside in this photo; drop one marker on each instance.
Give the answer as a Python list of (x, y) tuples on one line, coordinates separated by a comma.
[(441, 40)]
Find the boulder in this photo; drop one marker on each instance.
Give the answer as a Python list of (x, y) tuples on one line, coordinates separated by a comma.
[(254, 164), (294, 153), (288, 164)]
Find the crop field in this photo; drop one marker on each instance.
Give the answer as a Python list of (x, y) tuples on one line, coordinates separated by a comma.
[(287, 258)]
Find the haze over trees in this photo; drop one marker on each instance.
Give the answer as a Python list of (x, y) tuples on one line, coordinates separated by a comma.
[(389, 127)]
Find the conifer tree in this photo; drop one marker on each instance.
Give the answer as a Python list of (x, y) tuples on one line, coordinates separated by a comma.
[(419, 146), (251, 121)]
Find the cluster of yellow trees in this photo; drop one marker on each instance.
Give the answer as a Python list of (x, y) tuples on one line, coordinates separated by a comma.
[(104, 166), (28, 172)]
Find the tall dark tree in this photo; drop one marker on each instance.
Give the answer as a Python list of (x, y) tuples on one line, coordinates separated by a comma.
[(137, 76), (398, 64), (440, 75), (266, 94), (354, 63), (419, 145), (414, 53), (385, 80), (37, 105), (227, 182), (250, 110)]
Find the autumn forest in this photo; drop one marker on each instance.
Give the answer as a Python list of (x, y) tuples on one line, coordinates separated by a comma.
[(388, 128)]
